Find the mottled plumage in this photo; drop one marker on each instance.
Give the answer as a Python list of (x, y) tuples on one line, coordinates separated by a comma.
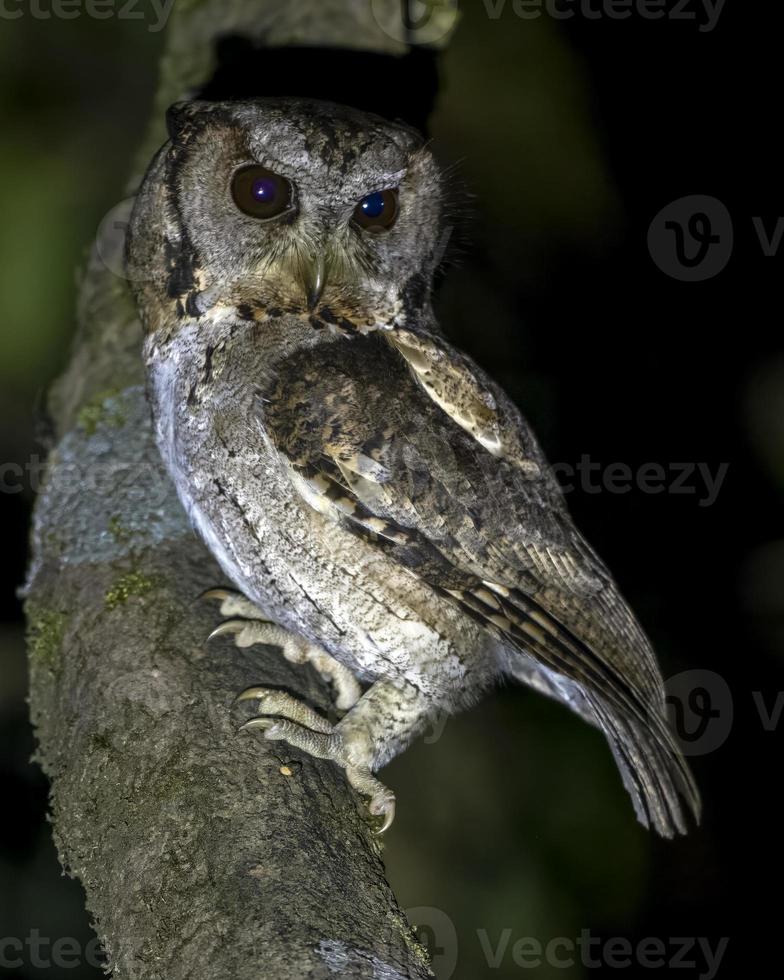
[(366, 485)]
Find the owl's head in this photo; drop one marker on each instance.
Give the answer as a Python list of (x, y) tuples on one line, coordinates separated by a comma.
[(285, 206)]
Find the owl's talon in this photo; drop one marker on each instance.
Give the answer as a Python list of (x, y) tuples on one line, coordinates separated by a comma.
[(255, 723), (229, 626), (382, 799), (221, 594), (233, 604), (324, 742), (383, 807), (249, 694), (274, 702)]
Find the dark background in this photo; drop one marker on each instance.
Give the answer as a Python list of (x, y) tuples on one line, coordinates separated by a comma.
[(571, 137)]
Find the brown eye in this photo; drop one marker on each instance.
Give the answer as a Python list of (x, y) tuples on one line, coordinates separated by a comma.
[(260, 193), (378, 211)]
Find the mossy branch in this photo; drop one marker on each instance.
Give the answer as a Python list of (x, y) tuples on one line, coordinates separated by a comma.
[(203, 854)]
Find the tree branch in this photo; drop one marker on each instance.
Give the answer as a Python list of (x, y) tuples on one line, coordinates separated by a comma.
[(203, 853)]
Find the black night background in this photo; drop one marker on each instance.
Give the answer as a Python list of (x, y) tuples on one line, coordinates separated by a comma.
[(570, 137)]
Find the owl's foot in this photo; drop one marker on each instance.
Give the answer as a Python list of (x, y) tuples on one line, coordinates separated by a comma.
[(300, 726), (274, 702), (250, 627)]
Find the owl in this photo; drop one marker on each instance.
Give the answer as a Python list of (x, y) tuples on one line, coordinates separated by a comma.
[(381, 507)]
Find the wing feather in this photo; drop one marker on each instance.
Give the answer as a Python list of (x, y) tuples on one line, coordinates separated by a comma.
[(443, 471)]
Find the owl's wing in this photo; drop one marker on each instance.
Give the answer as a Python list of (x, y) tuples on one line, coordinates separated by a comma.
[(445, 475)]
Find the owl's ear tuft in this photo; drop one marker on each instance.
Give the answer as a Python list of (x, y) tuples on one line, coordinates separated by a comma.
[(180, 118)]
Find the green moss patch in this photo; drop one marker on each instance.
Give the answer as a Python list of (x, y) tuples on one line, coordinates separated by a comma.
[(45, 634), (96, 412), (127, 586)]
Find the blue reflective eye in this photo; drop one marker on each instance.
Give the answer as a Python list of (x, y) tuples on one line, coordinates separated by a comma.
[(377, 211), (373, 206), (266, 189)]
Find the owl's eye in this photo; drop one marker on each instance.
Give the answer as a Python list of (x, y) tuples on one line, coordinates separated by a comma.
[(378, 211), (260, 193)]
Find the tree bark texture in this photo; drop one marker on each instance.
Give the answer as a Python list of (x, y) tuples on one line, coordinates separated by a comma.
[(204, 853)]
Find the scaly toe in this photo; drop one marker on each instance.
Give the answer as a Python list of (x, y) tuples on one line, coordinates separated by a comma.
[(320, 744), (299, 726), (275, 702)]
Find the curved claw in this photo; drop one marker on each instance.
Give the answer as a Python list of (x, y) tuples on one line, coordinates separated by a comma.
[(251, 694), (254, 723), (385, 807), (230, 626), (221, 594)]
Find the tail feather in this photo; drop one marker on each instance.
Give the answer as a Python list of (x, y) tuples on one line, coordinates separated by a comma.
[(654, 772), (652, 767)]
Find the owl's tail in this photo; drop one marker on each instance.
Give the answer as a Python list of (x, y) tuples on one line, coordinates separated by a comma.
[(551, 657), (653, 770)]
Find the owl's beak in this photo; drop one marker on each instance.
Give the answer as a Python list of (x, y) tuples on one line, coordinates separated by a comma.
[(314, 279)]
